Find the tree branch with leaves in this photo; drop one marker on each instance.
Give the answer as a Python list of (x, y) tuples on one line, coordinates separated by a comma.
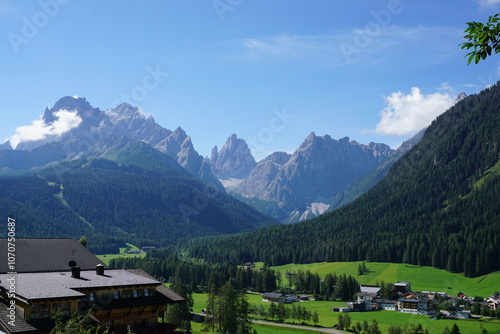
[(482, 38)]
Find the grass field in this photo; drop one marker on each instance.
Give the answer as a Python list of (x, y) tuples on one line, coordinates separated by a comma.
[(384, 318), (261, 329), (107, 257), (422, 278)]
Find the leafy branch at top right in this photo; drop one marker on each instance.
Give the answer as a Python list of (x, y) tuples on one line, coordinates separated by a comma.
[(482, 38)]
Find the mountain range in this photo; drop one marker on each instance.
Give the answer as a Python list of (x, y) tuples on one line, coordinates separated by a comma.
[(438, 205), (80, 142), (304, 184), (288, 187), (98, 132), (115, 176)]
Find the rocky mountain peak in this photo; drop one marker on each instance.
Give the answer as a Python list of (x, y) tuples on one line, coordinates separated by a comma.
[(460, 97), (69, 103), (306, 182), (279, 158), (179, 134), (311, 137), (214, 154), (6, 146), (234, 160), (97, 132)]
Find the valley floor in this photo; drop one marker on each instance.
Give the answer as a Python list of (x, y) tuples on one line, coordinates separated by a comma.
[(327, 318), (422, 278)]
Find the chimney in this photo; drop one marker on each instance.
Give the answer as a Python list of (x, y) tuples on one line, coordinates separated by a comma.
[(75, 272), (99, 270)]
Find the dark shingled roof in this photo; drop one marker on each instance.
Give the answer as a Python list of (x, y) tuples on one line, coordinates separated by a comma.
[(170, 294), (21, 326), (50, 285), (35, 255), (271, 295)]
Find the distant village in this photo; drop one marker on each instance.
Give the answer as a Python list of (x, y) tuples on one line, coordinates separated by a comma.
[(368, 299)]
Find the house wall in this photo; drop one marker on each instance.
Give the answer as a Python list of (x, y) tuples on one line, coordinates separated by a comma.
[(136, 317), (408, 310), (389, 307), (47, 309)]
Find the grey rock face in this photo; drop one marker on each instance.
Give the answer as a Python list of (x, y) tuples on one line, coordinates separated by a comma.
[(99, 131), (234, 160), (367, 181), (305, 182), (5, 146)]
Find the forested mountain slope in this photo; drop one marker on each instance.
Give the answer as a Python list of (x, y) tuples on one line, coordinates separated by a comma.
[(439, 205), (146, 199), (367, 181)]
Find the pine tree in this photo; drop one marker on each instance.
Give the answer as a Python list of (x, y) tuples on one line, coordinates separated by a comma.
[(281, 312), (75, 324), (373, 329), (227, 311), (315, 317), (180, 313), (455, 329), (211, 314), (271, 312), (347, 320)]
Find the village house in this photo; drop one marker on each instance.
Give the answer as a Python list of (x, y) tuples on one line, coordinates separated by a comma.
[(371, 289), (61, 275), (366, 298), (384, 304), (494, 301), (402, 287), (456, 313), (410, 302), (249, 265), (272, 297)]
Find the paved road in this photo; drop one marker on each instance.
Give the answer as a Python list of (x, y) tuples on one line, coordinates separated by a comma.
[(305, 328), (309, 329)]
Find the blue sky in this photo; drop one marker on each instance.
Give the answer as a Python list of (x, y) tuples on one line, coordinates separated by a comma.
[(271, 71)]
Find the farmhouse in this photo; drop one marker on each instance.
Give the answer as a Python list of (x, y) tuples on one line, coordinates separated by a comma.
[(456, 313), (411, 303), (494, 301), (272, 297), (385, 304), (374, 289), (62, 275), (366, 299), (402, 287), (249, 265)]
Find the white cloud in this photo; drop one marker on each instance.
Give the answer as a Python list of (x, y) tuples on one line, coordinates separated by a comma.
[(488, 3), (64, 121), (417, 46), (445, 87), (406, 114)]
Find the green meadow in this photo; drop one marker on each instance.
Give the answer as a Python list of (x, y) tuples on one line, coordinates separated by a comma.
[(107, 257), (327, 318), (422, 278)]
